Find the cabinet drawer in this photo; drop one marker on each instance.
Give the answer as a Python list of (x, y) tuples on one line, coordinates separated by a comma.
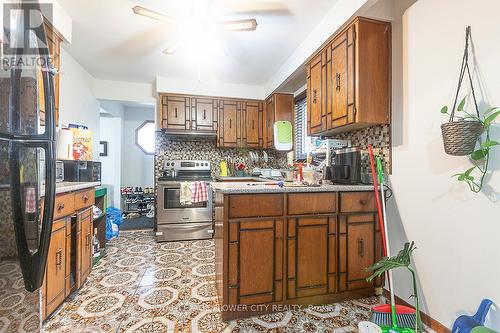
[(351, 202), (255, 205), (84, 199), (64, 205), (312, 203)]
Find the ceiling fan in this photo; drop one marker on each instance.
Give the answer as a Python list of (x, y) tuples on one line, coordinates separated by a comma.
[(258, 7)]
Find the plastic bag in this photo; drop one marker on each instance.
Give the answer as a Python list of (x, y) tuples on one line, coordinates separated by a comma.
[(113, 221)]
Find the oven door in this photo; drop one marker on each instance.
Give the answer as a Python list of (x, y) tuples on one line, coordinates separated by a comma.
[(170, 210)]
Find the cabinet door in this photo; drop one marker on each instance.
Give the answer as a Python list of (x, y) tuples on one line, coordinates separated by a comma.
[(256, 252), (314, 96), (311, 256), (342, 80), (269, 123), (357, 250), (229, 134), (253, 124), (56, 267), (84, 246), (175, 112), (204, 114)]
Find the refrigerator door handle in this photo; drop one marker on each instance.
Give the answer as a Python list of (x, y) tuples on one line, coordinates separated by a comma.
[(33, 263)]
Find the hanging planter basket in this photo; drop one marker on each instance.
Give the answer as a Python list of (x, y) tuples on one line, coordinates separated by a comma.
[(460, 136)]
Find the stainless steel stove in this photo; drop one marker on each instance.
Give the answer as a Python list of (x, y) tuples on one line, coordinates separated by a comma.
[(183, 222)]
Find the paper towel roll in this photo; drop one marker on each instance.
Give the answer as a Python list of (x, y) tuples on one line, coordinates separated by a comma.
[(64, 149)]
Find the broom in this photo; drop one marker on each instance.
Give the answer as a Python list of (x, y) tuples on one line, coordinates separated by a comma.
[(389, 317)]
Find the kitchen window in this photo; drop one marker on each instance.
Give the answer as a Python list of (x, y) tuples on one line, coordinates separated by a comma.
[(302, 141), (145, 137)]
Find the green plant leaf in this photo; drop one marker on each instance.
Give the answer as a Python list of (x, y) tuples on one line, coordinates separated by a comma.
[(444, 109), (461, 177), (478, 154), (469, 171), (491, 118), (462, 104), (491, 110), (489, 143)]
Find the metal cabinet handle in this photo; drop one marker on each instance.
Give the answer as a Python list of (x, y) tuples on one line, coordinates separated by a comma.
[(315, 92), (337, 78), (253, 124), (85, 197), (362, 202), (59, 258), (60, 207), (204, 114), (230, 123), (361, 247), (175, 109)]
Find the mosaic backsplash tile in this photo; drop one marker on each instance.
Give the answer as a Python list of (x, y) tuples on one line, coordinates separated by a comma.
[(168, 149), (380, 139)]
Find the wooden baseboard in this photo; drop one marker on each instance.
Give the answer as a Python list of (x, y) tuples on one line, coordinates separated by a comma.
[(426, 319)]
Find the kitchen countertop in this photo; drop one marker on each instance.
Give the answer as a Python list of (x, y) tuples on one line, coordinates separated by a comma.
[(256, 187), (249, 179), (64, 187)]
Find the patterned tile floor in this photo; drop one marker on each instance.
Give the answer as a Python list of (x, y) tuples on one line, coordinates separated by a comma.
[(144, 286)]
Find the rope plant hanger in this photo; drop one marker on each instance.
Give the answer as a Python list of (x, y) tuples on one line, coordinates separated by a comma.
[(460, 136), (461, 133)]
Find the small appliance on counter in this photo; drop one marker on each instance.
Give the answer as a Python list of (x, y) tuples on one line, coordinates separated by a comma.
[(82, 171), (345, 166), (59, 171)]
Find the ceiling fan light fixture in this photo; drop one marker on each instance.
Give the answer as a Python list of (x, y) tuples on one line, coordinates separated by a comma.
[(139, 10), (240, 25)]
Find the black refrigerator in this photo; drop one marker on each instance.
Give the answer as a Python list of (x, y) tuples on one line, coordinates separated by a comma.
[(27, 165)]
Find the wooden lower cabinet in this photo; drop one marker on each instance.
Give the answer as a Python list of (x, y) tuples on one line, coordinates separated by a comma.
[(290, 254), (256, 261), (69, 259), (311, 256), (55, 288), (84, 246)]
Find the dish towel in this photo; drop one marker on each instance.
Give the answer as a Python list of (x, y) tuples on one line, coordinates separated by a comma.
[(200, 193), (186, 194)]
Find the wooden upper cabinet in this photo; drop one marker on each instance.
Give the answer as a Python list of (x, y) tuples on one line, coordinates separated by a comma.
[(54, 41), (315, 114), (175, 112), (229, 134), (204, 114), (253, 117), (348, 82), (278, 107)]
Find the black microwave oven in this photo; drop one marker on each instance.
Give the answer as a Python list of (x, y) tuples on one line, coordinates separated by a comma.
[(82, 171)]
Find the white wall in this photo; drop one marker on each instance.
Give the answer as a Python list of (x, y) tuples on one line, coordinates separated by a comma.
[(111, 164), (77, 101), (208, 88), (137, 167), (457, 232)]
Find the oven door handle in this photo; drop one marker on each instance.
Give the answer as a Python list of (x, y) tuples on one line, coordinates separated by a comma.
[(188, 226)]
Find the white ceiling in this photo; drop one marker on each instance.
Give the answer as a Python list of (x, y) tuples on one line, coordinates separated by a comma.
[(113, 43)]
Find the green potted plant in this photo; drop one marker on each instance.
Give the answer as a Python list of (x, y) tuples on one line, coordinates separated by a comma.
[(480, 156)]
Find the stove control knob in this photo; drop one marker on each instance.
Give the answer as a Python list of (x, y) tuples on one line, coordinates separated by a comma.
[(197, 164)]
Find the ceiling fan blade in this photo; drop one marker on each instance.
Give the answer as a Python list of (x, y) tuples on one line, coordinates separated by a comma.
[(139, 10), (240, 25), (172, 48)]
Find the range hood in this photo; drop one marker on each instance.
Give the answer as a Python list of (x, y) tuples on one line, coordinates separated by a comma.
[(183, 135)]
